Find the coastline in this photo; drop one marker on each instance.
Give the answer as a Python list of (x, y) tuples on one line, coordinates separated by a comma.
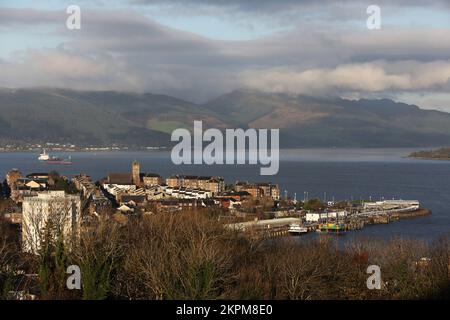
[(428, 158)]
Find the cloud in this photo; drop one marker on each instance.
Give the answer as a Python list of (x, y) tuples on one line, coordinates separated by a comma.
[(271, 5), (125, 50), (378, 76)]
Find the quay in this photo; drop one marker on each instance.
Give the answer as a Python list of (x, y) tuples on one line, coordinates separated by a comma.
[(355, 221)]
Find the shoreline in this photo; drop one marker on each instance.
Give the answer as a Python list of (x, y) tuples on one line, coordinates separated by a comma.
[(429, 158)]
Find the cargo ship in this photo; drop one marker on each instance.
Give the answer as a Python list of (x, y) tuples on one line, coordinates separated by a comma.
[(46, 158)]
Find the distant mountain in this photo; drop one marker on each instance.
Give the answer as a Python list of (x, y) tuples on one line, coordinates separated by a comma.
[(97, 118), (107, 117), (314, 122)]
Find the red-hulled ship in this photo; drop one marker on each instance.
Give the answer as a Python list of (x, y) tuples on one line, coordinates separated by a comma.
[(46, 158)]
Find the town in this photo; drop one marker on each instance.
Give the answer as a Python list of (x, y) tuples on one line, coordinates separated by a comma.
[(243, 206), (48, 219)]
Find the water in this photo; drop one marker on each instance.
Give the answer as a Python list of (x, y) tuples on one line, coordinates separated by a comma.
[(340, 173)]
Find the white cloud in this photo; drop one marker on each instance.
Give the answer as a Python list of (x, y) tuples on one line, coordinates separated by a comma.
[(367, 77), (124, 50)]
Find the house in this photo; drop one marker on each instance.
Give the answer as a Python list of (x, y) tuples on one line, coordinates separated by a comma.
[(26, 187), (259, 190), (229, 203), (125, 209), (186, 193), (133, 200)]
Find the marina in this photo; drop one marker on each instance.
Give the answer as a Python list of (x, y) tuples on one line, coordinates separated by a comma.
[(338, 223)]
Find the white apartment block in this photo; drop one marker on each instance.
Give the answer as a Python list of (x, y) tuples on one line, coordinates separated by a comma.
[(63, 210)]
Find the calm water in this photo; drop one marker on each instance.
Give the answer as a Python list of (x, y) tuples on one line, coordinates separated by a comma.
[(340, 173)]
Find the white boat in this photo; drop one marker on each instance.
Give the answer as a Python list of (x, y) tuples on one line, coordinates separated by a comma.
[(44, 156), (296, 229)]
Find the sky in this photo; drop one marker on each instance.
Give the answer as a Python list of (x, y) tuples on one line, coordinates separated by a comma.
[(199, 49)]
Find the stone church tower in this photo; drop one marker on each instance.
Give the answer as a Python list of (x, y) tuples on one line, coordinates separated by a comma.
[(136, 173)]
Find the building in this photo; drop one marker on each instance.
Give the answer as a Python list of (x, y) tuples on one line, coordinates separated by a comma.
[(23, 187), (216, 185), (190, 182), (275, 192), (186, 193), (391, 205), (178, 205), (136, 173), (265, 189), (95, 200), (120, 179), (56, 208), (253, 190), (239, 196), (212, 184), (174, 181), (239, 185), (317, 217), (84, 184), (259, 190), (152, 179), (132, 200)]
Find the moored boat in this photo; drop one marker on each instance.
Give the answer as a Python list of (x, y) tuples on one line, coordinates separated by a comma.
[(332, 227), (296, 229)]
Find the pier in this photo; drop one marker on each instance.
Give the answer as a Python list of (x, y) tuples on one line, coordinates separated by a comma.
[(355, 221)]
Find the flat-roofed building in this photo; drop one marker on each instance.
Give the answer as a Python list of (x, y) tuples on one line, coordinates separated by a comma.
[(57, 209)]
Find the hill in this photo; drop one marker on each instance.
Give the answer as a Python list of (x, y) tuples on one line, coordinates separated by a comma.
[(94, 118), (314, 122), (108, 117), (439, 154)]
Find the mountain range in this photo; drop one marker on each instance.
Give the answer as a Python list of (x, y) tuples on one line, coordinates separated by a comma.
[(137, 120)]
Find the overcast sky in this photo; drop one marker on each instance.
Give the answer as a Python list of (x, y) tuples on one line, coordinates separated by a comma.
[(198, 49)]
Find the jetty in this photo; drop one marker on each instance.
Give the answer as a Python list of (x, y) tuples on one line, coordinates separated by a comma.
[(383, 212)]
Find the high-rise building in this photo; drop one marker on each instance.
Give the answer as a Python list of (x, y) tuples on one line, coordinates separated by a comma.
[(50, 211)]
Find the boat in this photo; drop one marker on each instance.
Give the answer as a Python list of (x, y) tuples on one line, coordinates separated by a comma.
[(296, 229), (332, 227), (46, 158), (43, 156), (58, 160)]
